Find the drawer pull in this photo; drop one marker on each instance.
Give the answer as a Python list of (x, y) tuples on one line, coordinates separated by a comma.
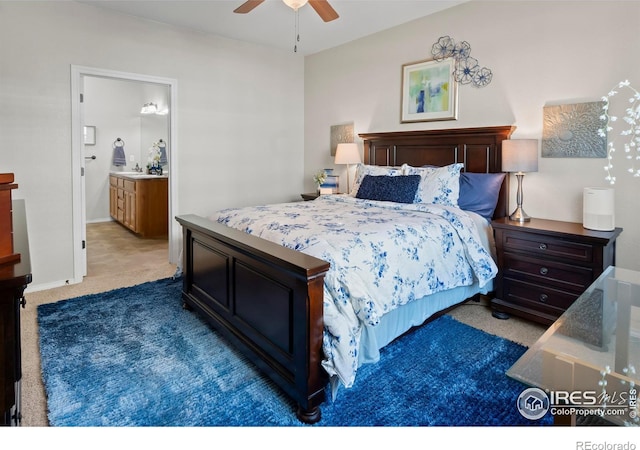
[(544, 271), (544, 298), (542, 246)]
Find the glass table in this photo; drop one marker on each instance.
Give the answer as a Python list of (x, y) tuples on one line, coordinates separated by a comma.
[(587, 363)]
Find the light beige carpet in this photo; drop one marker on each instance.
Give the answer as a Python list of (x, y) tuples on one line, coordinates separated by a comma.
[(117, 258)]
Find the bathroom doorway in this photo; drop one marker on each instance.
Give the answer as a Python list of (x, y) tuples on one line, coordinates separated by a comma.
[(112, 113), (108, 106)]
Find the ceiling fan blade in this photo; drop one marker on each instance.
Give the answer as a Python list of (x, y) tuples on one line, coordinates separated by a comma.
[(247, 6), (324, 10)]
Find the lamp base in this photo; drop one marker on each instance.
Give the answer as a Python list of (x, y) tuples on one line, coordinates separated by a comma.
[(519, 215)]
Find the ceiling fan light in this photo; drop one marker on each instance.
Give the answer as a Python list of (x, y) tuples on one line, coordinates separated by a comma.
[(295, 4)]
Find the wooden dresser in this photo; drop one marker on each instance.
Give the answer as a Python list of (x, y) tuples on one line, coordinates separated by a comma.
[(141, 204), (14, 277), (544, 266)]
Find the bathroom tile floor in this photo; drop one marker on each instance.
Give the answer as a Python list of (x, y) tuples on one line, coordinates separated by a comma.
[(111, 249)]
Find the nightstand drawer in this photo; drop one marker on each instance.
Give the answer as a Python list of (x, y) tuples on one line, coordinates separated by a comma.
[(544, 265), (546, 246), (546, 272), (542, 298)]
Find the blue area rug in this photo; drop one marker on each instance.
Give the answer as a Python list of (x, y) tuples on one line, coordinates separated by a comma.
[(134, 357)]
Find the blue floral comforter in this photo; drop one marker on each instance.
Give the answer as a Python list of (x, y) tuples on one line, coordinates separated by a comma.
[(382, 255)]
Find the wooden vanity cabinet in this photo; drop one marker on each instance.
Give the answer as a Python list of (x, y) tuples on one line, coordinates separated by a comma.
[(140, 204)]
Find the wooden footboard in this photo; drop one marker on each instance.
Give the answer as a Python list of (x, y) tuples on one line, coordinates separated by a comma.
[(264, 298)]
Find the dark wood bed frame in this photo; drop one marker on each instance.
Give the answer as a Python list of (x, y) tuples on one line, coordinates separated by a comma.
[(266, 299)]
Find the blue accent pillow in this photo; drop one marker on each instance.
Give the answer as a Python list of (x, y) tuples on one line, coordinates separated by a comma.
[(479, 192), (399, 188), (365, 169)]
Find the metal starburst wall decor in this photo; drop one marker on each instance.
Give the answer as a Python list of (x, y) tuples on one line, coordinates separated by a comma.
[(466, 70)]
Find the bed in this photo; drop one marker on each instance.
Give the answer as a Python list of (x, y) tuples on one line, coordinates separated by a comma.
[(273, 293)]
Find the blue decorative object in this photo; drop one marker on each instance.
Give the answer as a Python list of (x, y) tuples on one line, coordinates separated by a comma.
[(400, 189), (467, 70), (331, 182), (479, 192), (134, 357)]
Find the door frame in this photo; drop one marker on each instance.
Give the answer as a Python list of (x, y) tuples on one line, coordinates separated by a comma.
[(78, 162)]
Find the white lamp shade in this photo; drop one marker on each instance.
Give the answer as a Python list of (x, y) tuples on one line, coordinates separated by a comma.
[(520, 155), (347, 153)]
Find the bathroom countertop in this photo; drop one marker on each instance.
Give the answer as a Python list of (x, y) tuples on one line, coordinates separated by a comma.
[(138, 175)]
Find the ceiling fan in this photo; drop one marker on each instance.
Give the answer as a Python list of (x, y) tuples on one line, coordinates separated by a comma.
[(322, 7)]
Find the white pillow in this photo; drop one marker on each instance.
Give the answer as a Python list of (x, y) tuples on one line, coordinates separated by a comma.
[(438, 184), (364, 169)]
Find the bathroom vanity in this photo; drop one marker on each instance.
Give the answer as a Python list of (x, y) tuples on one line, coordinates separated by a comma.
[(140, 203)]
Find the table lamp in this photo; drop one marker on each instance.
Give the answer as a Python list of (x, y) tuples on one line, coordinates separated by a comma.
[(520, 156), (347, 153)]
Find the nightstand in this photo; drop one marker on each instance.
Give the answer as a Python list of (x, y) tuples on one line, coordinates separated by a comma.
[(310, 196), (544, 266)]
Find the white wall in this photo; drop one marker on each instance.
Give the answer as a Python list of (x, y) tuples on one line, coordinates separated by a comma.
[(540, 53), (240, 119), (251, 116)]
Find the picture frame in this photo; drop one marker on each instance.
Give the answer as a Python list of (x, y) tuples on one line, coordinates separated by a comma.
[(342, 133), (89, 135), (429, 91)]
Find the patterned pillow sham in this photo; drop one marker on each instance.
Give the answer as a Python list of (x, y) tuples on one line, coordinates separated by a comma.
[(399, 189), (440, 185), (364, 169)]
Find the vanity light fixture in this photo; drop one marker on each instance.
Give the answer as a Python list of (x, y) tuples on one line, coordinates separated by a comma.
[(152, 108), (149, 108)]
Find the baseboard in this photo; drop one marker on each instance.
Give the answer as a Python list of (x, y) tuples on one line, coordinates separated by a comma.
[(54, 284)]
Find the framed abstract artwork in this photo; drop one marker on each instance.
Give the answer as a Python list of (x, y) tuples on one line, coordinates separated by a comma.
[(429, 91), (340, 134)]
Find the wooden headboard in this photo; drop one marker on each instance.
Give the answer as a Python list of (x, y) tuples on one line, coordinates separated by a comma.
[(480, 149)]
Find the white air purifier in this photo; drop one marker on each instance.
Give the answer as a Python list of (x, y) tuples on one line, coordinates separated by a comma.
[(598, 209)]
